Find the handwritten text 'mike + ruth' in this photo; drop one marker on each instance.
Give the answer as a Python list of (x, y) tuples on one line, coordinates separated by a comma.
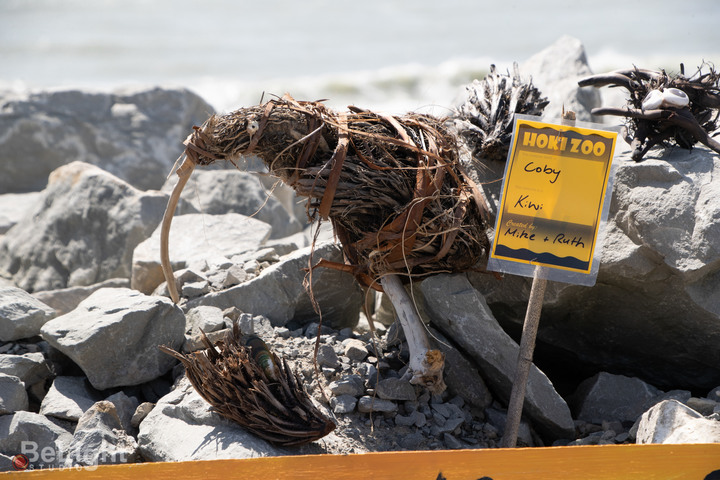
[(522, 233)]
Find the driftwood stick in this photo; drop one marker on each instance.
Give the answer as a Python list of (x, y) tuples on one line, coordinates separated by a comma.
[(633, 113), (525, 356), (183, 172), (608, 79), (642, 73), (426, 365)]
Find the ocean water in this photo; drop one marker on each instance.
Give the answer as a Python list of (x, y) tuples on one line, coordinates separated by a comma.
[(383, 54)]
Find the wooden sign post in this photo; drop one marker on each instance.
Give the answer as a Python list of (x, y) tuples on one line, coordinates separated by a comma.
[(524, 361), (556, 193)]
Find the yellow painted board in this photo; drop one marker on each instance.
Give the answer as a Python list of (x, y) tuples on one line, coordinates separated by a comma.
[(647, 462), (555, 190)]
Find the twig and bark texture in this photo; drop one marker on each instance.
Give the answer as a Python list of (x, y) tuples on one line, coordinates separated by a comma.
[(391, 186), (664, 110), (248, 384)]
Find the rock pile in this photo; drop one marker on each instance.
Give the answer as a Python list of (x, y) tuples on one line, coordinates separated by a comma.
[(130, 133), (81, 231), (83, 308)]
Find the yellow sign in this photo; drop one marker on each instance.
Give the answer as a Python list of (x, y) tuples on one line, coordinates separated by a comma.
[(553, 195)]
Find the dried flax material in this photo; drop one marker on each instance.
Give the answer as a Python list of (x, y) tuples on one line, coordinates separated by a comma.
[(485, 117), (391, 186), (229, 378)]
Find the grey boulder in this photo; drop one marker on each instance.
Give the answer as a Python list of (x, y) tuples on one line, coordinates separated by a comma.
[(672, 422), (461, 314), (608, 397), (394, 388), (198, 241), (368, 404), (31, 434), (125, 407), (30, 368), (69, 398), (83, 232), (13, 396), (100, 439), (65, 300), (347, 385), (133, 134), (207, 319), (462, 376), (114, 335), (658, 282), (278, 292), (21, 315), (216, 192)]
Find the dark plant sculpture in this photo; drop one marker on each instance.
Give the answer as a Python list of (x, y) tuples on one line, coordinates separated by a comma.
[(665, 110), (246, 383)]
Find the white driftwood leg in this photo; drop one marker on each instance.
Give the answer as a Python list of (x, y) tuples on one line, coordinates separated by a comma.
[(426, 365)]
